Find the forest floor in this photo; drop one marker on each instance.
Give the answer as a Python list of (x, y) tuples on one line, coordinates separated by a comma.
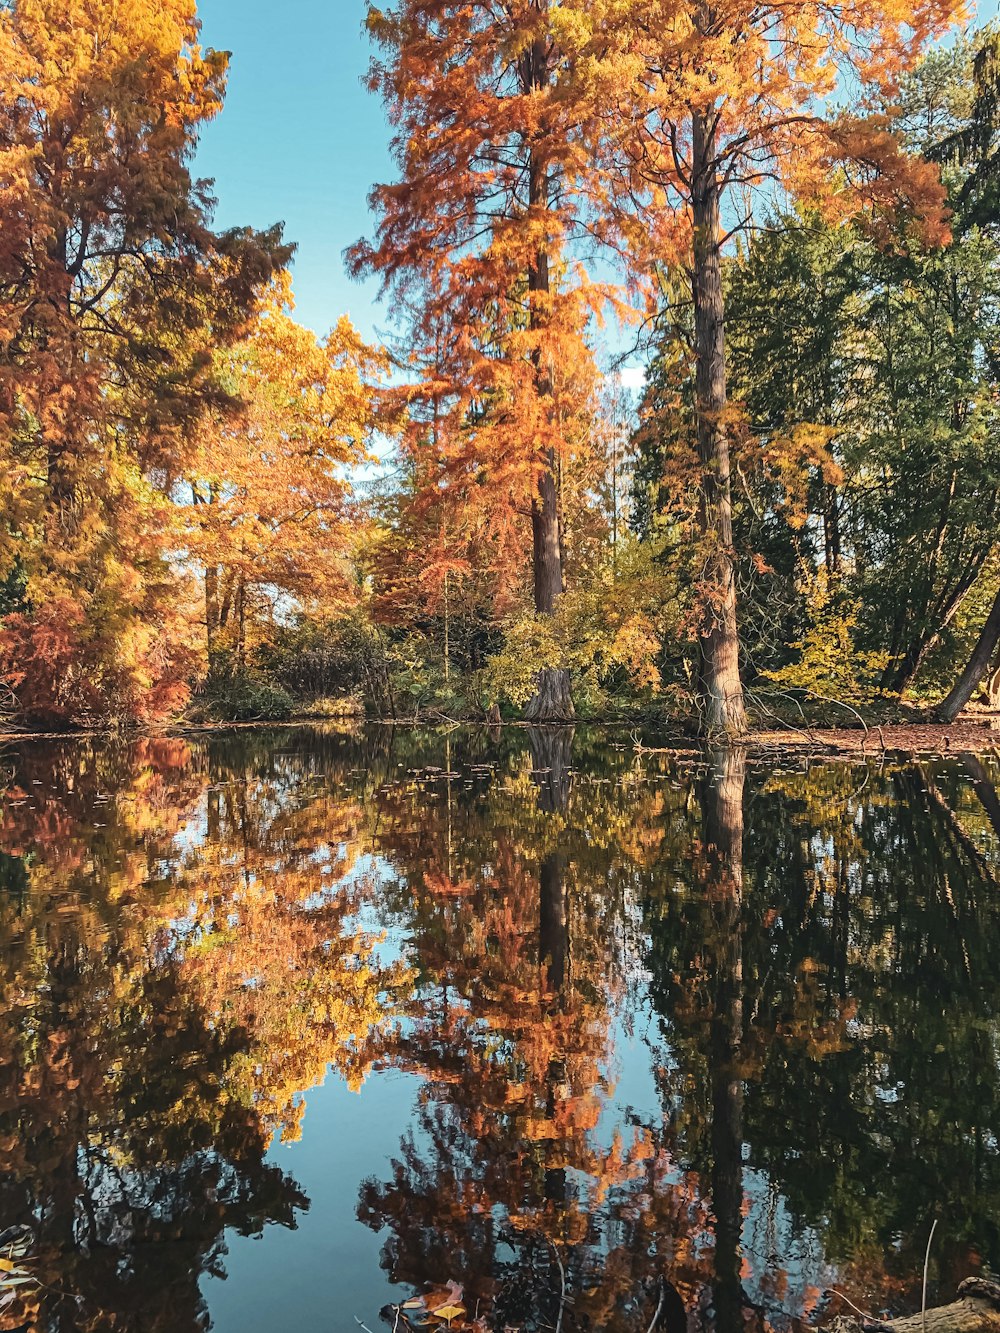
[(976, 735)]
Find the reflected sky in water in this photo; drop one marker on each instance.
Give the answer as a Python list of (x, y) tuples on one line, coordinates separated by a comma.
[(296, 1026)]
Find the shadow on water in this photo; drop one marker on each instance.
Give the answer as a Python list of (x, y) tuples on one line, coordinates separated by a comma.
[(702, 1038)]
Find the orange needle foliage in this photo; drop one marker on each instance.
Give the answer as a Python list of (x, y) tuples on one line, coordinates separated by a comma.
[(478, 234)]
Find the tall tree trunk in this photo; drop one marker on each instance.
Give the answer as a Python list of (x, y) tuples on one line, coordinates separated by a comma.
[(831, 530), (725, 710), (552, 700), (213, 608), (977, 666)]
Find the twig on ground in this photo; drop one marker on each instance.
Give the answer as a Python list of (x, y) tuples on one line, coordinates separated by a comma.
[(856, 1308), (927, 1261)]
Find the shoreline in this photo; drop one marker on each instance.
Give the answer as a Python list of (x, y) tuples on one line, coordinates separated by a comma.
[(878, 740)]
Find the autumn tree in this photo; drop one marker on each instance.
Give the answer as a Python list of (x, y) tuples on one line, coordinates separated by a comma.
[(707, 106), (113, 291), (267, 487), (481, 226)]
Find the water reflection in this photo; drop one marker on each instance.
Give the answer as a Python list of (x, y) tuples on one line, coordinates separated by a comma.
[(690, 1036)]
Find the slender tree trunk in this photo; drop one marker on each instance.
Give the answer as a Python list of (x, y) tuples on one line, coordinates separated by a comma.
[(924, 644), (977, 666), (447, 632), (552, 701), (720, 643), (241, 612), (211, 614), (831, 530), (213, 609)]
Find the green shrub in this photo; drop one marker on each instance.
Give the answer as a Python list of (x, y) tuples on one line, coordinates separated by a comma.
[(241, 699)]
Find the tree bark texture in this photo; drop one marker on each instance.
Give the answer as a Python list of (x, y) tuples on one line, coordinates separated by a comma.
[(725, 711), (978, 665), (977, 1310), (552, 700)]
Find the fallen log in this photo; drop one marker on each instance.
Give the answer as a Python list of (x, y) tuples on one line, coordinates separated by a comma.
[(975, 1310)]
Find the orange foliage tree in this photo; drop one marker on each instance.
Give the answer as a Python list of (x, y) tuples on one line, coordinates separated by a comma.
[(478, 235), (706, 105), (268, 489), (113, 290)]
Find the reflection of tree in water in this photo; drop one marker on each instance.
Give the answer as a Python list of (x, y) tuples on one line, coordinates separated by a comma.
[(184, 960), (123, 1150), (868, 1003), (797, 975), (508, 1185), (165, 997)]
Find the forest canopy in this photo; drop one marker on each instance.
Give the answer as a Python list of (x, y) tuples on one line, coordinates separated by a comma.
[(785, 216)]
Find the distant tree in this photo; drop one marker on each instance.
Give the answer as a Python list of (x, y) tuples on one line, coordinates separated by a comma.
[(267, 486)]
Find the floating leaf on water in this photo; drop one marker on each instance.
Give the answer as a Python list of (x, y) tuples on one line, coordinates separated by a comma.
[(448, 1312)]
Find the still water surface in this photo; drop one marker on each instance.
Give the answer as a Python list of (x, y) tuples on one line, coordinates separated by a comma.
[(295, 1026)]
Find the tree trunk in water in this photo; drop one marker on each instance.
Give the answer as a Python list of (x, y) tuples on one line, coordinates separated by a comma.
[(553, 930), (552, 701), (552, 755), (984, 789), (553, 958), (979, 662), (720, 644)]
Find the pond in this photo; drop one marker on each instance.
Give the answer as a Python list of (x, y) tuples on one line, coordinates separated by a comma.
[(297, 1026)]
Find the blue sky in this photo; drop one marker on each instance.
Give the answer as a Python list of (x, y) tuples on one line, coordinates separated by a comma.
[(300, 140)]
